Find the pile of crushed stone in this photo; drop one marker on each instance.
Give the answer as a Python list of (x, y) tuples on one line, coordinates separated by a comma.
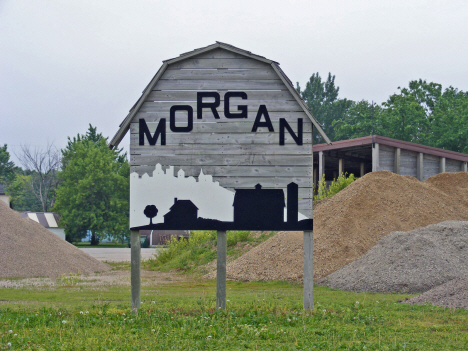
[(350, 223), (453, 294), (408, 262), (27, 249)]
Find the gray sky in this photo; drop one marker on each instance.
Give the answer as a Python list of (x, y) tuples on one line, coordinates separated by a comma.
[(65, 64)]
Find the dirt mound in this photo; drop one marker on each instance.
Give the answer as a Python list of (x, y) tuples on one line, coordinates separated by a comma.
[(408, 262), (453, 294), (27, 249), (350, 223)]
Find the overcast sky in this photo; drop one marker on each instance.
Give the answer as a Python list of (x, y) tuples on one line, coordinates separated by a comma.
[(65, 64)]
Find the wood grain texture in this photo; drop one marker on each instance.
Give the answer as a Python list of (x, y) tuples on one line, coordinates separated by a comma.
[(291, 117), (210, 149), (221, 160), (224, 126), (252, 107), (191, 96), (220, 74), (227, 149), (225, 84), (225, 138)]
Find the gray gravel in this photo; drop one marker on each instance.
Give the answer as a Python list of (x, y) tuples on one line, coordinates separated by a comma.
[(453, 294), (408, 262)]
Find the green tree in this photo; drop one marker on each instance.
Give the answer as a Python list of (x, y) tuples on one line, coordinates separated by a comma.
[(449, 121), (21, 196), (361, 119), (7, 167), (322, 99), (94, 190)]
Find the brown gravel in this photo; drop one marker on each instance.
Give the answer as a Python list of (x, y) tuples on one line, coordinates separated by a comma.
[(354, 220), (27, 249), (453, 294)]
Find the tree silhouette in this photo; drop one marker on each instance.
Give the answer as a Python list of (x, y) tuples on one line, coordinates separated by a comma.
[(150, 211)]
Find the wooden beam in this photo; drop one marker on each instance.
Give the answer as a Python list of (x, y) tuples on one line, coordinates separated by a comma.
[(362, 170), (420, 167), (375, 157), (464, 167), (397, 161), (340, 167), (321, 166)]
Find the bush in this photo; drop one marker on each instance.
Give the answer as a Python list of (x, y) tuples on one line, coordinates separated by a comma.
[(335, 187)]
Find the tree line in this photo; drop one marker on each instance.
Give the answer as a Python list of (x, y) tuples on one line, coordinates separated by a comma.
[(88, 184), (421, 113)]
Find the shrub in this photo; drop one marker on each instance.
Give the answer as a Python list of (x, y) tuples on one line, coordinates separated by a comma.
[(336, 186)]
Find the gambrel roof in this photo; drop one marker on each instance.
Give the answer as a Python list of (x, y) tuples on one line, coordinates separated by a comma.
[(125, 125)]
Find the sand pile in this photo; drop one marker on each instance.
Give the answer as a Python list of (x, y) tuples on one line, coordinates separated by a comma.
[(408, 262), (453, 294), (27, 249), (354, 220)]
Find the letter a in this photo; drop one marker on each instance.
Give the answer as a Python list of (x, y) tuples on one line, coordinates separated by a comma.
[(262, 111)]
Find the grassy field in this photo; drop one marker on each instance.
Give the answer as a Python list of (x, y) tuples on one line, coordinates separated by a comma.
[(182, 316)]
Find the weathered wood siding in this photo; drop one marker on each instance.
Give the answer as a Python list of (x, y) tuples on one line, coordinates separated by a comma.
[(225, 148), (453, 165), (386, 158), (431, 166), (408, 163)]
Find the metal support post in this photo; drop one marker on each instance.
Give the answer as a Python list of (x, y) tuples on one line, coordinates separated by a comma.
[(221, 247)]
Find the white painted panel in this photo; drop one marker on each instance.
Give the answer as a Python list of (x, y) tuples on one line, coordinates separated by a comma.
[(33, 216), (51, 220)]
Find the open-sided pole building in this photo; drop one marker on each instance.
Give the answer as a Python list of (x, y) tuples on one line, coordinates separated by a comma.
[(233, 116), (376, 153)]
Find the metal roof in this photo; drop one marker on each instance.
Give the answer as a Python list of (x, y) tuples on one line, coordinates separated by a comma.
[(369, 140), (125, 125), (46, 219)]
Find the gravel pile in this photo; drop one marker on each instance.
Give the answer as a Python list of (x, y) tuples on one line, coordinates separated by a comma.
[(453, 294), (275, 259), (354, 220), (27, 249), (408, 262)]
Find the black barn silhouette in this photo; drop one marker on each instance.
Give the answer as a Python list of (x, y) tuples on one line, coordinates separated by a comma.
[(183, 212), (254, 209), (259, 207)]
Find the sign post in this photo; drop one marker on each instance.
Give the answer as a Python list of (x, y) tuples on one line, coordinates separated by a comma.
[(135, 256), (221, 248), (221, 140)]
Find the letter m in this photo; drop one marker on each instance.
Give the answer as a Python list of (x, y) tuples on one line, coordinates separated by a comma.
[(160, 131)]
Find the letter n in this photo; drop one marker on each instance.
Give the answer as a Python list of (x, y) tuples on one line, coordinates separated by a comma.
[(285, 125), (160, 131)]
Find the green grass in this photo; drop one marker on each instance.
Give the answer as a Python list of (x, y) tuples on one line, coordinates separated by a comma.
[(100, 245), (188, 255), (182, 316)]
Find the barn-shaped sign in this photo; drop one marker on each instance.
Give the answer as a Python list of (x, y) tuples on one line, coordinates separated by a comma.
[(220, 140)]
